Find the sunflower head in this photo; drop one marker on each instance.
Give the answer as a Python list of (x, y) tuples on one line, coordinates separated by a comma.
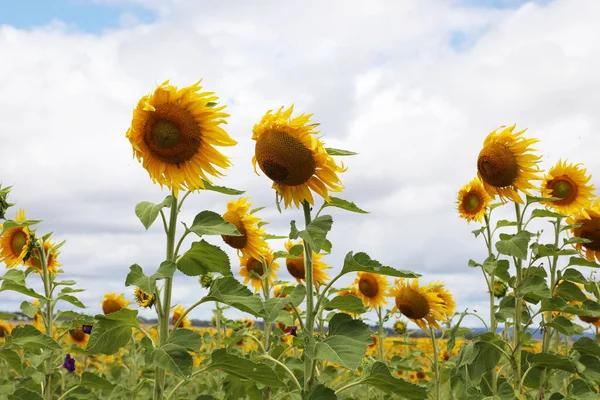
[(372, 289), (589, 219), (16, 243), (177, 313), (295, 266), (113, 303), (35, 262), (422, 305), (253, 270), (143, 299), (174, 133), (570, 184), (78, 336), (251, 242), (5, 330), (473, 201), (289, 153), (448, 303), (506, 164)]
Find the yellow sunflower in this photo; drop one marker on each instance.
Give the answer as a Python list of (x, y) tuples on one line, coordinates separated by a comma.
[(5, 330), (38, 319), (78, 336), (447, 299), (421, 304), (34, 260), (177, 313), (113, 303), (472, 201), (288, 152), (589, 218), (173, 133), (278, 293), (15, 243), (372, 289), (295, 266), (505, 164), (569, 183), (251, 243), (249, 263), (143, 299)]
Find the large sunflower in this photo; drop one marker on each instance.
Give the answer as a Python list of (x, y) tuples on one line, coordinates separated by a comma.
[(569, 183), (251, 242), (249, 263), (113, 303), (15, 243), (173, 134), (288, 152), (472, 201), (34, 260), (589, 218), (177, 313), (372, 289), (295, 266), (421, 304), (505, 164)]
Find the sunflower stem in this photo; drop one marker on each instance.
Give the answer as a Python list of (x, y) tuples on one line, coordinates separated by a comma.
[(49, 315), (309, 366), (381, 334), (266, 325), (436, 363), (492, 298), (163, 332), (133, 369), (518, 309)]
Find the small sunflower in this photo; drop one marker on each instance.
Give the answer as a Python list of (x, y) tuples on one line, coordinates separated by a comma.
[(38, 319), (447, 299), (421, 304), (248, 323), (249, 263), (505, 164), (251, 242), (472, 201), (400, 327), (372, 289), (278, 293), (288, 152), (177, 313), (295, 266), (113, 303), (173, 133), (143, 299), (52, 263), (5, 330), (15, 243), (589, 218), (78, 336), (569, 183)]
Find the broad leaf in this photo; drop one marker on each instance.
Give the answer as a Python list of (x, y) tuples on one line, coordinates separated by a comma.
[(174, 359), (71, 299), (25, 394), (148, 212), (381, 378), (343, 204), (203, 258), (571, 274), (350, 303), (112, 331), (583, 262), (273, 306), (94, 381), (588, 346), (541, 213), (244, 369), (18, 287), (362, 262), (211, 223), (29, 338), (136, 276), (562, 325), (186, 338), (321, 392), (514, 245), (221, 189), (315, 233), (554, 361), (570, 291), (13, 360), (229, 291)]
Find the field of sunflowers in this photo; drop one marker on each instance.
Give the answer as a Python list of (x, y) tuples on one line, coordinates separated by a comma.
[(307, 339)]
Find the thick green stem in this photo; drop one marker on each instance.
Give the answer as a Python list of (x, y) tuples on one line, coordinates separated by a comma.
[(49, 316), (163, 329), (518, 309), (267, 326), (436, 364), (133, 375), (309, 325), (381, 335)]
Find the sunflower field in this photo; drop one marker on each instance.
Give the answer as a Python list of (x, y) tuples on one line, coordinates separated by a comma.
[(308, 339)]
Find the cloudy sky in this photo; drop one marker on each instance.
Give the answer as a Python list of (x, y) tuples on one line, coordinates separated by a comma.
[(414, 87)]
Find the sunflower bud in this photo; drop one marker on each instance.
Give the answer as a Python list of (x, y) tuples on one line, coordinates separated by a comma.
[(4, 205), (400, 327), (500, 288), (206, 280), (144, 299)]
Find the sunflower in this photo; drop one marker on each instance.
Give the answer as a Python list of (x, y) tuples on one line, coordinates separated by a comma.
[(249, 263), (421, 304), (113, 303), (78, 336), (177, 313), (38, 319), (251, 242), (505, 164), (15, 243), (143, 299), (288, 152), (173, 133), (447, 299), (278, 293), (5, 330), (371, 288), (589, 218), (34, 260), (472, 201), (295, 266), (569, 183), (400, 327)]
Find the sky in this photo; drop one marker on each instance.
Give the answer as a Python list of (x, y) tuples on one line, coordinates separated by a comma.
[(413, 87)]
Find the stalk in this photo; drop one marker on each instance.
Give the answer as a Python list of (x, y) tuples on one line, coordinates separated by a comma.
[(309, 325), (49, 317), (436, 364), (490, 283), (133, 369), (266, 325), (518, 310), (381, 337)]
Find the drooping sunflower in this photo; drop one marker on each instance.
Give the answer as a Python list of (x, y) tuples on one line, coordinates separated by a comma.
[(173, 133), (78, 336), (143, 299), (448, 302), (571, 184), (249, 263), (421, 304), (34, 260), (506, 164), (113, 303), (177, 313), (472, 201), (15, 243), (589, 218), (372, 289), (295, 266), (251, 242), (289, 153)]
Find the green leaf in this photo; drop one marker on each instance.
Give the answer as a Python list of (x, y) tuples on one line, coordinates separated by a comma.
[(187, 339), (346, 342), (71, 299), (28, 337), (576, 240), (273, 237), (13, 360), (514, 245), (478, 232), (350, 303), (174, 359), (554, 361), (541, 213), (321, 392), (136, 276), (315, 233), (362, 262), (586, 345), (550, 250), (25, 394), (534, 199), (562, 325), (10, 224), (94, 381), (229, 291), (498, 267), (147, 212), (343, 204), (221, 189), (326, 246), (503, 222), (273, 306), (582, 262), (339, 152), (65, 283), (20, 288), (203, 258), (244, 369), (211, 223), (571, 274), (381, 378), (592, 368), (570, 291), (112, 331), (5, 315)]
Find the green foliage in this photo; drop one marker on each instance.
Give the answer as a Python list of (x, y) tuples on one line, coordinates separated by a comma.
[(136, 276), (343, 204), (244, 369), (112, 331), (315, 233), (148, 212), (229, 291), (350, 303), (362, 262), (203, 258), (211, 223)]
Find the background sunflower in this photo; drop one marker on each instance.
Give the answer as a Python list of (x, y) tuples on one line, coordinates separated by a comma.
[(421, 304), (589, 218), (251, 242), (372, 289), (295, 266), (472, 201), (569, 183), (15, 243), (249, 263)]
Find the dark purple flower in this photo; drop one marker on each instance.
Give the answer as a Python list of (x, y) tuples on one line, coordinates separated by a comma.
[(293, 331), (69, 363), (86, 329)]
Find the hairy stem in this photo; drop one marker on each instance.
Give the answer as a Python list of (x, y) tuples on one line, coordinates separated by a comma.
[(309, 325)]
